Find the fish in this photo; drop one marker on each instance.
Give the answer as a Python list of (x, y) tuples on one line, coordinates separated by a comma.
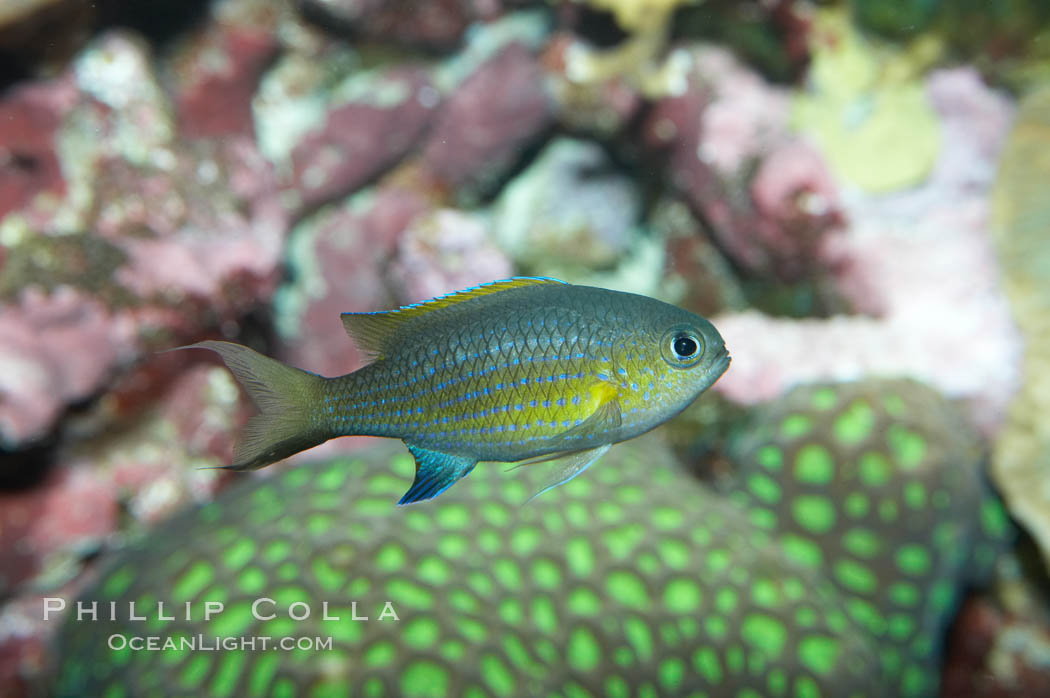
[(526, 370)]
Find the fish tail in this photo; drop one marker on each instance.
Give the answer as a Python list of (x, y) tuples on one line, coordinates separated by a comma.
[(287, 398)]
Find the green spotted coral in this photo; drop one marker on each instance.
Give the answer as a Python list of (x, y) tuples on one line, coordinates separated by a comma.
[(829, 568), (878, 487)]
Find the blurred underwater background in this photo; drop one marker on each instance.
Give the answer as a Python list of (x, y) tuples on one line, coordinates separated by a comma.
[(854, 192)]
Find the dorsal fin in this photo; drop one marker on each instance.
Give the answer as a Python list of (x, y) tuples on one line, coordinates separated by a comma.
[(372, 330)]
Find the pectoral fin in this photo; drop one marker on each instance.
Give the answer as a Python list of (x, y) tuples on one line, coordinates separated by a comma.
[(577, 444), (569, 466), (604, 421), (435, 473)]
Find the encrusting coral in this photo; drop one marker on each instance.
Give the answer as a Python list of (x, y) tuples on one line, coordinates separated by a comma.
[(832, 569)]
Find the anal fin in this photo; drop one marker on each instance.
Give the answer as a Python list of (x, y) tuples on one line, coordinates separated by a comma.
[(435, 473)]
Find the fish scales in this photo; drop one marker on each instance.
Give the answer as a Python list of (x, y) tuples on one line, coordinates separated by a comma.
[(511, 371), (500, 388), (502, 385)]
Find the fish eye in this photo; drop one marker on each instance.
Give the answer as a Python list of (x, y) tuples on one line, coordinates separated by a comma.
[(684, 346)]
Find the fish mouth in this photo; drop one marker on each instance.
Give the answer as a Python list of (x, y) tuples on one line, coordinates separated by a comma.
[(720, 365)]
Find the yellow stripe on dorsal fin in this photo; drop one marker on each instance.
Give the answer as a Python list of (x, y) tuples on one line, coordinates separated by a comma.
[(371, 331)]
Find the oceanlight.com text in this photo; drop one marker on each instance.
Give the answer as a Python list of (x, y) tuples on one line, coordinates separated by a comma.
[(215, 643)]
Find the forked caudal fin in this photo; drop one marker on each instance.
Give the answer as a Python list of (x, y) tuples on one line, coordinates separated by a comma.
[(287, 399)]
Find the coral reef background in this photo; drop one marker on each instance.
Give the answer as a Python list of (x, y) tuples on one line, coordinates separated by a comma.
[(853, 191)]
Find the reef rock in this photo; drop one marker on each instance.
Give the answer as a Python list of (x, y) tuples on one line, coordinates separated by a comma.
[(39, 374), (602, 107), (898, 18), (569, 213), (947, 323), (71, 508), (338, 259), (438, 24), (371, 121), (698, 276), (767, 197), (30, 118), (772, 35), (444, 251), (103, 489), (994, 653), (37, 34), (488, 119), (640, 59), (216, 69), (141, 240), (146, 470)]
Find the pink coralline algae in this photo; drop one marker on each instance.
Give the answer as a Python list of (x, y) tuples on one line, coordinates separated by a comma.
[(141, 474), (924, 272), (339, 257), (179, 236), (71, 506), (490, 117), (363, 136), (445, 251), (190, 423), (216, 73), (768, 197), (744, 117), (140, 471), (797, 203), (39, 373), (437, 23), (29, 118)]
